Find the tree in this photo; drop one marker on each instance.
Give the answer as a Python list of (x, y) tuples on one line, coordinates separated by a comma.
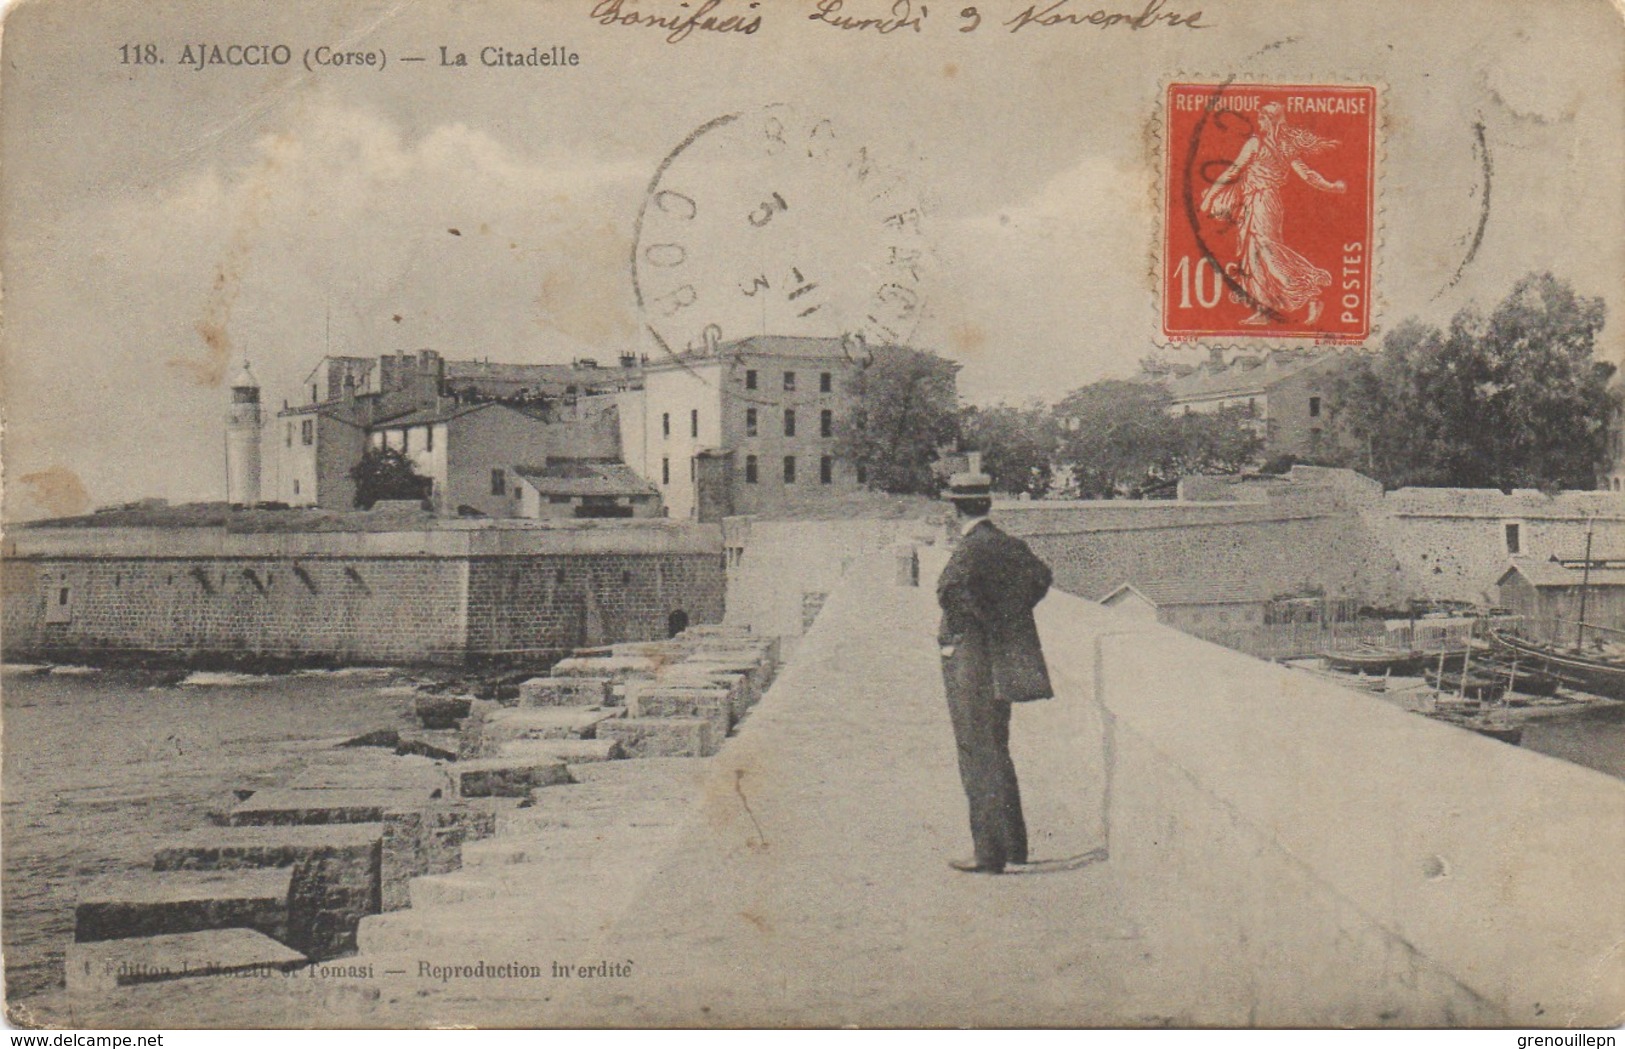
[(1114, 436), (1119, 438), (1017, 446), (905, 407), (1513, 401), (1221, 442), (387, 473)]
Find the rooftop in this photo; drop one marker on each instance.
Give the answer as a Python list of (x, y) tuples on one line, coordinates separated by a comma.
[(1245, 375), (585, 477), (1555, 573)]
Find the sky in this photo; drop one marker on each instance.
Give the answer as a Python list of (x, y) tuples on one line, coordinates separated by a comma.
[(161, 223)]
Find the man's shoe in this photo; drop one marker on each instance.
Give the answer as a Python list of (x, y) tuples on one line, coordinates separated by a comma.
[(975, 867)]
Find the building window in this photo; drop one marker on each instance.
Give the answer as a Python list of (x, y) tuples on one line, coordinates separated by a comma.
[(750, 379), (826, 382), (296, 486), (1514, 538), (750, 469), (406, 440), (863, 474), (1252, 407), (288, 440), (826, 423), (499, 482), (789, 422), (665, 424), (789, 469), (789, 380), (750, 422), (694, 422), (665, 471), (307, 432), (428, 438), (1314, 407), (826, 470)]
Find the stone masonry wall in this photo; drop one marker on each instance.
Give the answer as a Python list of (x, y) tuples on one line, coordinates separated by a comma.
[(519, 603), (392, 609), (1283, 550), (391, 597)]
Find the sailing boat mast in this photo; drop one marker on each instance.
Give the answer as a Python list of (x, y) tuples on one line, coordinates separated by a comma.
[(1585, 585)]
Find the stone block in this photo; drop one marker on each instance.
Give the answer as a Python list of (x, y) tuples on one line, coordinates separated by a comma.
[(756, 678), (471, 736), (441, 711), (235, 848), (336, 873), (663, 737), (428, 841), (616, 668), (375, 770), (154, 904), (501, 726), (104, 965), (508, 777), (570, 751), (565, 692), (738, 685), (321, 806), (673, 701)]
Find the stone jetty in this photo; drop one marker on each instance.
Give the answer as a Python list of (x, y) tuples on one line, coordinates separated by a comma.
[(380, 846)]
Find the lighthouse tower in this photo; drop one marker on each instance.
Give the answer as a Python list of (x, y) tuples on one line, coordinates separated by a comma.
[(243, 440)]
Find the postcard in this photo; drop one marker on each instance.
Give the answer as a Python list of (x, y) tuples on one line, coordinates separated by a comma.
[(813, 513)]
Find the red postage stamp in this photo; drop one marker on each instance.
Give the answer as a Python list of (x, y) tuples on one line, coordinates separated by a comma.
[(1268, 220)]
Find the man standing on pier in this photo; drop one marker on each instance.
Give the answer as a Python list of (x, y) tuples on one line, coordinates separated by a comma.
[(991, 658)]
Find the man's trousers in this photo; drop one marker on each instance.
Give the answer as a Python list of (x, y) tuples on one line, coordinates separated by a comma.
[(981, 723)]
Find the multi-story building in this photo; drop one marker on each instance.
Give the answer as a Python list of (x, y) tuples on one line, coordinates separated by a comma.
[(1289, 396), (1613, 476), (464, 424), (743, 427)]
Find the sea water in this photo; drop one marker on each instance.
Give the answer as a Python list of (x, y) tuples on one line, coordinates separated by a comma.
[(100, 768)]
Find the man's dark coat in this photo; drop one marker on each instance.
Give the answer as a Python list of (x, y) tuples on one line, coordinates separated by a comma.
[(989, 588)]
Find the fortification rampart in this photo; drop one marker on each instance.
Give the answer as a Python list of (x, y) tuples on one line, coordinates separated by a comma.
[(439, 595)]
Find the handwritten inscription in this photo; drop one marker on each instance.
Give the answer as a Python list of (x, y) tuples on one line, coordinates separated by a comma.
[(1061, 13), (682, 24), (900, 16)]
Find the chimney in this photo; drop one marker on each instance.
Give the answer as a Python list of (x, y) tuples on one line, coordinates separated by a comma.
[(1215, 356)]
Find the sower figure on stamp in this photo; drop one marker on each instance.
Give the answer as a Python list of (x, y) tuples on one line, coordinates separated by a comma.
[(991, 658)]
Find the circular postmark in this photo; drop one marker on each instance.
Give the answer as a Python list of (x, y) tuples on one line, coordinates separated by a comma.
[(769, 223)]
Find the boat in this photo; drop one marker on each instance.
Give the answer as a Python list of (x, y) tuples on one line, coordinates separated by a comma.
[(1522, 678), (1599, 677), (1374, 660), (1472, 685)]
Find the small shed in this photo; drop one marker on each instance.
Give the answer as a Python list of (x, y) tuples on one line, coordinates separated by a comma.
[(1547, 592), (570, 488), (1213, 603)]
